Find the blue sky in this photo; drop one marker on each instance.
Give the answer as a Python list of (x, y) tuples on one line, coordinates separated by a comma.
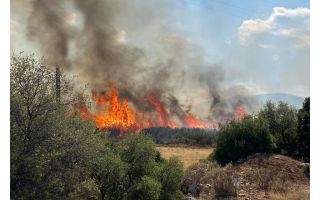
[(215, 26)]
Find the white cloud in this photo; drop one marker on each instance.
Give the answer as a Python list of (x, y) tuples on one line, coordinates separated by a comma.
[(289, 27)]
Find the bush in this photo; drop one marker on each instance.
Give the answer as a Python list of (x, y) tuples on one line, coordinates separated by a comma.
[(110, 175), (304, 130), (197, 177), (269, 180), (237, 140), (134, 169), (147, 188), (170, 178), (192, 136), (224, 185), (139, 152), (283, 123), (86, 190)]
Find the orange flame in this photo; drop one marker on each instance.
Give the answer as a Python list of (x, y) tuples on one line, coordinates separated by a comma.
[(190, 121), (240, 112), (114, 113), (163, 118)]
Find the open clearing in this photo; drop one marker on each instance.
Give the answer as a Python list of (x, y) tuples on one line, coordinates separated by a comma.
[(188, 155)]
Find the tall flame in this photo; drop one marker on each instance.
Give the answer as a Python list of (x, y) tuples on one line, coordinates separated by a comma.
[(191, 121), (114, 113), (163, 118), (240, 112), (111, 112)]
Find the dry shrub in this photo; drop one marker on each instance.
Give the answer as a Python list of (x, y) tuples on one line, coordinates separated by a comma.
[(199, 178), (269, 180), (224, 185), (294, 193)]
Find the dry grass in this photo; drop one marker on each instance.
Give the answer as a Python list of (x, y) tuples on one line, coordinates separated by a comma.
[(188, 156), (294, 193)]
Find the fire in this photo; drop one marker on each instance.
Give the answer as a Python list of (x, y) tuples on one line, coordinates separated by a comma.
[(164, 118), (192, 122), (240, 112), (112, 112)]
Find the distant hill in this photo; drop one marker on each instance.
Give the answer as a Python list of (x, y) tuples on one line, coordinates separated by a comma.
[(289, 98)]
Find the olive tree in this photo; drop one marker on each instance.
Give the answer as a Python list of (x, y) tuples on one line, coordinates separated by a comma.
[(49, 147)]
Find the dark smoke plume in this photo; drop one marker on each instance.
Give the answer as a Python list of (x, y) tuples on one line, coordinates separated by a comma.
[(169, 67)]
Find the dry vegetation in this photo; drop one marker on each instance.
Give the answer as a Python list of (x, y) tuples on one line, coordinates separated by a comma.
[(188, 155), (259, 176)]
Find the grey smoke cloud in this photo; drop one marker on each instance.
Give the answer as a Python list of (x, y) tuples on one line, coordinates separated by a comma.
[(96, 44)]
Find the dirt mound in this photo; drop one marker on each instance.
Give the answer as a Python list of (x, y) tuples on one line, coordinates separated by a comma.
[(288, 167), (259, 176), (265, 176)]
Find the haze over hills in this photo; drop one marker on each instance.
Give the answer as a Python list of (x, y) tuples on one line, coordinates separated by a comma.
[(254, 103), (276, 97)]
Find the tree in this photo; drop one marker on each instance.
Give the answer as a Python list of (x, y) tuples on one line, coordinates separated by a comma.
[(239, 139), (170, 178), (304, 130), (282, 120), (140, 154), (110, 175), (146, 168), (49, 148), (147, 188)]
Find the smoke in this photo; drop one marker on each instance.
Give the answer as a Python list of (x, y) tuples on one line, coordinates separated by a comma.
[(94, 39), (47, 26)]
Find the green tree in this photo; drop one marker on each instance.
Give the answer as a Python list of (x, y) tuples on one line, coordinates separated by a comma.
[(139, 152), (170, 177), (147, 188), (282, 120), (239, 139), (143, 160), (49, 149), (110, 174), (304, 130)]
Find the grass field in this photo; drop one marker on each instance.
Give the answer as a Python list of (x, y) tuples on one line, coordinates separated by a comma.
[(188, 155)]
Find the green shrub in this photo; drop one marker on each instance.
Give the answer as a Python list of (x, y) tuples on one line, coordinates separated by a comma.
[(192, 136), (88, 189), (170, 178), (139, 152), (283, 123), (148, 175), (304, 130), (237, 140), (147, 188), (110, 175)]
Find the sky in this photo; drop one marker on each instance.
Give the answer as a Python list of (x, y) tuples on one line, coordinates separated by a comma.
[(268, 59), (261, 44)]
